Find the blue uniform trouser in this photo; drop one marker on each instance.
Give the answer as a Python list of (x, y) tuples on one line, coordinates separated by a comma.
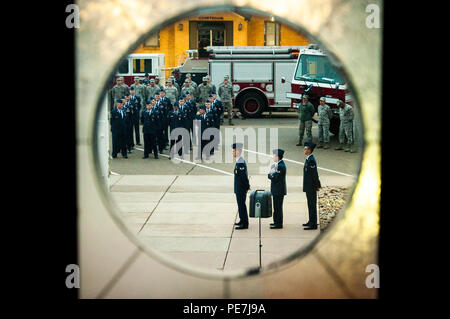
[(311, 197), (243, 216), (278, 209)]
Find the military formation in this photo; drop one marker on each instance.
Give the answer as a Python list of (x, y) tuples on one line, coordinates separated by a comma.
[(161, 110), (306, 112)]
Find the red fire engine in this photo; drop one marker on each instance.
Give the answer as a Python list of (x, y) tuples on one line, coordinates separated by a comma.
[(315, 76), (256, 73)]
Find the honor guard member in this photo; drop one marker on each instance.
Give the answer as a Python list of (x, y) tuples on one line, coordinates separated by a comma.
[(203, 91), (167, 107), (226, 95), (187, 87), (206, 121), (150, 119), (160, 140), (241, 185), (171, 91), (176, 120), (215, 118), (191, 115), (277, 176), (311, 184), (135, 102), (192, 84), (217, 104), (151, 88), (213, 87), (346, 117), (118, 128), (129, 118), (324, 113), (305, 114)]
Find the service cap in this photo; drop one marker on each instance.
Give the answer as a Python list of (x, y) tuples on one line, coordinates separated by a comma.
[(237, 145), (311, 145), (278, 151)]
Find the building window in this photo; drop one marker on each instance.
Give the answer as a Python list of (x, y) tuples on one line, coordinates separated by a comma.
[(271, 33), (152, 41)]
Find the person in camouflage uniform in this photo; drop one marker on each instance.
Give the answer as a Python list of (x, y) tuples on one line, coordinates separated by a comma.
[(213, 87), (171, 92), (175, 84), (193, 85), (305, 114), (139, 89), (346, 116), (203, 91), (157, 83), (151, 89), (187, 87), (324, 113), (226, 95), (119, 90)]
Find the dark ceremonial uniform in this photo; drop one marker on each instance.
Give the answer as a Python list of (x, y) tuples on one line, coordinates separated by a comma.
[(311, 183), (278, 190), (192, 115), (241, 186), (216, 119), (118, 130), (151, 120), (129, 118), (135, 102), (218, 107), (207, 121), (187, 121), (160, 138), (165, 101), (176, 120)]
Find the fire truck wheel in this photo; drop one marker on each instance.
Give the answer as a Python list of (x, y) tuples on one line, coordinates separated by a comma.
[(251, 104)]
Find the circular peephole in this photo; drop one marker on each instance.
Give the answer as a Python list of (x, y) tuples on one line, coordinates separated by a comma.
[(166, 121)]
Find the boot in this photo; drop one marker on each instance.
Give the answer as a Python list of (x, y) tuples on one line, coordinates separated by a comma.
[(340, 147), (352, 150), (326, 146), (347, 149), (320, 145)]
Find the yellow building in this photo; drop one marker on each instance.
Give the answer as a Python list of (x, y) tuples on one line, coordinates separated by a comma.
[(218, 29)]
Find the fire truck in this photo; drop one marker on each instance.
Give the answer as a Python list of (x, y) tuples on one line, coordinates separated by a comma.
[(254, 71), (137, 64), (315, 76)]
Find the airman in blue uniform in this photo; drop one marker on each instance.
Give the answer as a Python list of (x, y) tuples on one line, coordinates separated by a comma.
[(129, 115), (190, 102), (311, 184), (176, 120), (241, 185), (150, 119), (118, 129), (277, 176), (206, 121), (135, 102), (167, 103)]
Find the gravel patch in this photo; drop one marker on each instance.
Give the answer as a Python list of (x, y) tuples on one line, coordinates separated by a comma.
[(331, 200)]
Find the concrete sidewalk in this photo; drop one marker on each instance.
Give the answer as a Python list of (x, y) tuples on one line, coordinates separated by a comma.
[(191, 217)]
